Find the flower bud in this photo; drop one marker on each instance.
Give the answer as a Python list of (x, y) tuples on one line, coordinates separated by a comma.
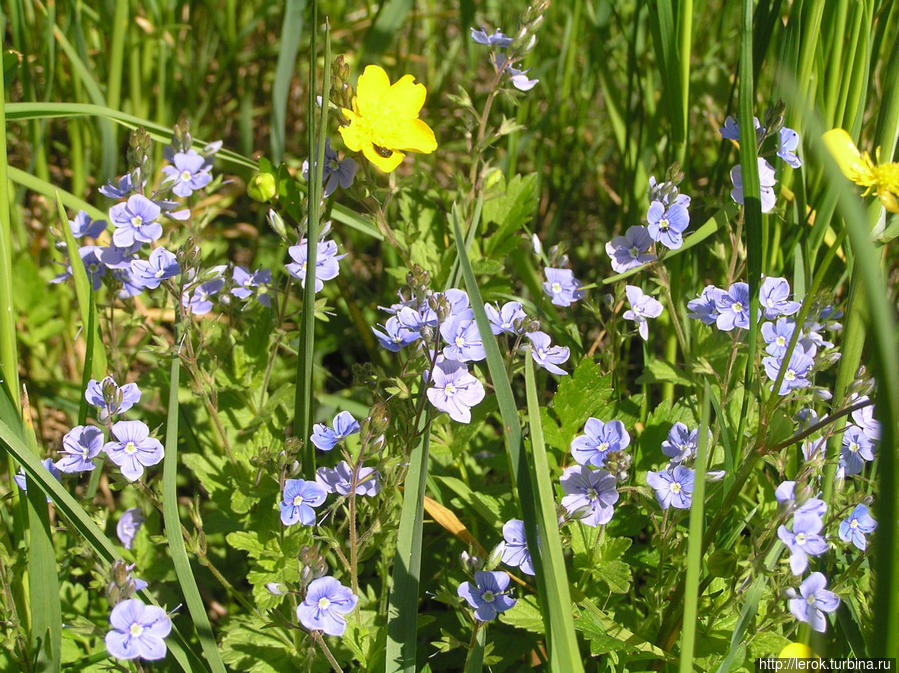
[(262, 187)]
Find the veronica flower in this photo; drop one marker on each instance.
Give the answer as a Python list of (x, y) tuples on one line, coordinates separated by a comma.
[(796, 374), (803, 541), (326, 601), (463, 341), (631, 250), (93, 266), (773, 297), (298, 500), (515, 549), (864, 418), (787, 144), (857, 449), (546, 355), (668, 222), (326, 438), (681, 443), (384, 123), (150, 273), (673, 487), (128, 525), (589, 494), (857, 526), (138, 631), (507, 320), (120, 190), (487, 594), (247, 284), (22, 483), (766, 185), (731, 129), (642, 307), (395, 334), (83, 226), (335, 172), (814, 602), (134, 448), (777, 336), (326, 258), (562, 286), (454, 390), (497, 39), (785, 494), (135, 221), (598, 440), (80, 446), (340, 479), (705, 307), (109, 398), (189, 173), (733, 307)]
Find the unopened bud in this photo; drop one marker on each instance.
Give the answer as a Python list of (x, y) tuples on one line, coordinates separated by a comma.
[(262, 187)]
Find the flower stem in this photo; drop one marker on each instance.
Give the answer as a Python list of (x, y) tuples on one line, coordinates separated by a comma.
[(317, 636)]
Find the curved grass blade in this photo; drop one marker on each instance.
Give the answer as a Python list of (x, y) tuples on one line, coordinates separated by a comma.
[(564, 654), (173, 526), (291, 30)]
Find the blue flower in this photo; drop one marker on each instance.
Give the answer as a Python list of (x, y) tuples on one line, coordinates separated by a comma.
[(189, 173), (777, 336), (562, 286), (111, 399), (135, 221), (864, 418), (80, 446), (247, 284), (199, 301), (326, 438), (460, 332), (133, 449), (138, 630), (731, 129), (487, 594), (326, 258), (857, 449), (546, 355), (681, 443), (796, 374), (340, 479), (454, 390), (22, 483), (787, 144), (519, 78), (395, 334), (598, 440), (93, 266), (162, 264), (705, 307), (642, 307), (589, 494), (733, 307), (508, 319), (119, 190), (83, 226), (673, 487), (298, 500), (515, 549), (668, 222), (128, 525), (497, 39), (326, 601), (766, 185), (857, 526), (815, 600), (803, 541), (773, 296), (631, 250), (335, 172)]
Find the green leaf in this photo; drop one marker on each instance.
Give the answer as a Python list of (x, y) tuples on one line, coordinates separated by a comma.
[(514, 208), (659, 371), (525, 615), (606, 634)]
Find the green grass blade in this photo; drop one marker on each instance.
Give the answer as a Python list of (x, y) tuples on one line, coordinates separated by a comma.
[(291, 30), (173, 527), (560, 651), (475, 661), (83, 293), (564, 649), (402, 611), (694, 539), (664, 38)]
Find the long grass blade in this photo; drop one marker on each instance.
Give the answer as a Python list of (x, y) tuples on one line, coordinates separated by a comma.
[(291, 31), (173, 533)]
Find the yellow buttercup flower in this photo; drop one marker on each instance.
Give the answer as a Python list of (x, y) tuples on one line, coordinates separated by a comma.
[(882, 179), (384, 123), (796, 651)]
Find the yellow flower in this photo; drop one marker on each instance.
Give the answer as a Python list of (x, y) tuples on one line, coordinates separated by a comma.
[(882, 179), (796, 651), (384, 123)]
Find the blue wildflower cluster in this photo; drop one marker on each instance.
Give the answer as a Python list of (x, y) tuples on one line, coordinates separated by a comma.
[(590, 494)]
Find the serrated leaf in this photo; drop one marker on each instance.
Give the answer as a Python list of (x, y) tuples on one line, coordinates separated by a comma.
[(525, 615), (607, 635), (616, 574), (511, 211), (247, 541)]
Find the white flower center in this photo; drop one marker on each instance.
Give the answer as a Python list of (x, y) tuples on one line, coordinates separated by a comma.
[(135, 630), (675, 487), (556, 287), (800, 538), (449, 389), (780, 341), (854, 447), (297, 501), (85, 451), (459, 341), (185, 176), (136, 221), (603, 446), (790, 375), (160, 273), (130, 448), (488, 596), (541, 353), (324, 603), (853, 523), (663, 224), (810, 599), (737, 307), (635, 251)]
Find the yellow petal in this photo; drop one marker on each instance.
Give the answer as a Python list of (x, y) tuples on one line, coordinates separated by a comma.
[(889, 201), (407, 96), (416, 136), (372, 86), (796, 651), (854, 165), (386, 164), (352, 137)]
